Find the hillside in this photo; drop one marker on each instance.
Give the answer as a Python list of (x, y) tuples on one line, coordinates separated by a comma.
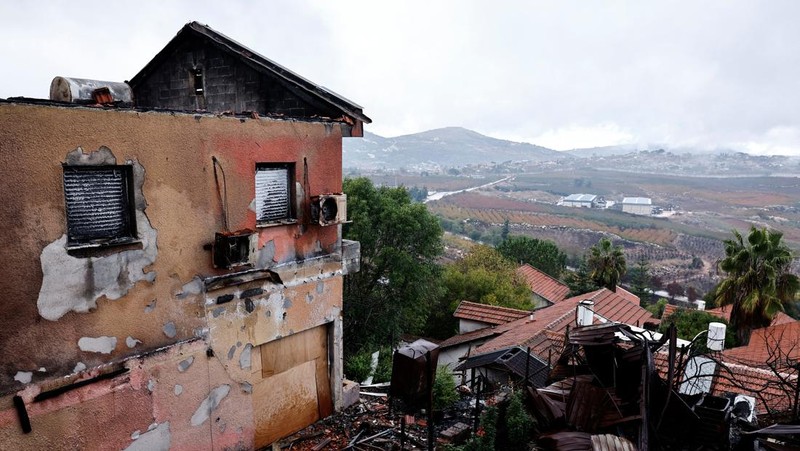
[(436, 149)]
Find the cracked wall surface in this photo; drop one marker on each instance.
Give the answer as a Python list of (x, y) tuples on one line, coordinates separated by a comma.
[(71, 315)]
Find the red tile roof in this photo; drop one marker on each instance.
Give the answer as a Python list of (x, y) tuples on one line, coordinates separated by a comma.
[(469, 336), (628, 295), (555, 318), (769, 344), (489, 314), (542, 284), (669, 309), (770, 392), (724, 312)]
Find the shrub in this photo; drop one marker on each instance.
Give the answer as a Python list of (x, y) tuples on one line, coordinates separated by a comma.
[(520, 423), (444, 389), (357, 366), (383, 373)]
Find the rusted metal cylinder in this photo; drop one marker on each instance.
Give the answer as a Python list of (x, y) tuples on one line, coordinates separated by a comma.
[(79, 90)]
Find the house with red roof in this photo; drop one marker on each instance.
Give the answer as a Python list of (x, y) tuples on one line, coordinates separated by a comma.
[(473, 316), (543, 330), (724, 312), (763, 369), (546, 290)]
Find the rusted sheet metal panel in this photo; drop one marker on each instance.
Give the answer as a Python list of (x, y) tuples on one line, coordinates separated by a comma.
[(593, 335), (566, 441), (582, 441), (608, 442), (586, 406)]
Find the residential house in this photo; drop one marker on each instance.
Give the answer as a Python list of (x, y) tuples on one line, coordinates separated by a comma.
[(545, 290), (724, 312), (473, 316), (174, 266), (764, 369), (543, 330)]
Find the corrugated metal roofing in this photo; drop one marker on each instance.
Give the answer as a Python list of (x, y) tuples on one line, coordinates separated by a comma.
[(637, 201), (542, 284), (581, 197), (489, 314)]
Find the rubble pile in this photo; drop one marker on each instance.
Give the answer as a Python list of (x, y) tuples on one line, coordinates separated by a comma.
[(370, 424)]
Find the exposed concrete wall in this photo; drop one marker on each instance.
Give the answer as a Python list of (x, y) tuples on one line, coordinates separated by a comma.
[(69, 312)]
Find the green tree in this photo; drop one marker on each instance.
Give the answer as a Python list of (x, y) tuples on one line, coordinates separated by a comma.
[(418, 194), (607, 264), (506, 230), (580, 281), (543, 255), (758, 280), (657, 309), (689, 323), (484, 276), (398, 280), (640, 281)]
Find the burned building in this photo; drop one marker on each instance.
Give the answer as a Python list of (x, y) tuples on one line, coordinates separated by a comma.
[(173, 254)]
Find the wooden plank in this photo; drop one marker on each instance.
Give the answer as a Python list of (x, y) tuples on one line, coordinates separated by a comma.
[(285, 403), (281, 355), (324, 386)]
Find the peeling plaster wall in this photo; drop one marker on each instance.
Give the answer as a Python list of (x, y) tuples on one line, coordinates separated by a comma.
[(208, 412), (70, 312)]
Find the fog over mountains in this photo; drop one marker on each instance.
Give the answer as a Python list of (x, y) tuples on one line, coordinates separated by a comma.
[(455, 147)]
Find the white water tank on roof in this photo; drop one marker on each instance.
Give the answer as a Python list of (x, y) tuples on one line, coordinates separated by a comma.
[(716, 336), (586, 313)]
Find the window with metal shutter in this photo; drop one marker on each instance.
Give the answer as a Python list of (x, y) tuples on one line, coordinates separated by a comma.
[(99, 204), (274, 193)]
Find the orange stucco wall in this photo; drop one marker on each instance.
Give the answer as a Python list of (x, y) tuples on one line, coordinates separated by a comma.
[(165, 302)]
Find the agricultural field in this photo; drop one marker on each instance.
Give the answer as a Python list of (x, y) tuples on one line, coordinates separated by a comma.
[(705, 210)]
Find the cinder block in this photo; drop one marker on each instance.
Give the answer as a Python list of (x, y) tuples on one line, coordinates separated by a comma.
[(350, 393)]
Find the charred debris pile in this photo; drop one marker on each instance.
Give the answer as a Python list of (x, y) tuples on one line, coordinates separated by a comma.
[(613, 387)]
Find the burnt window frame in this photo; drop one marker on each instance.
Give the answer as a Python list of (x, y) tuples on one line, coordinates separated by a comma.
[(129, 234), (290, 183)]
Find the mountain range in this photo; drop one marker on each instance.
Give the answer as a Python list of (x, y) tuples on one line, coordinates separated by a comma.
[(456, 147), (443, 147)]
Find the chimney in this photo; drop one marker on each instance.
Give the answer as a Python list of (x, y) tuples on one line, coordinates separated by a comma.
[(716, 336), (585, 313)]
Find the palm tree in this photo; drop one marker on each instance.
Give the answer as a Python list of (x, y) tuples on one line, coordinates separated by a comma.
[(758, 282), (607, 264)]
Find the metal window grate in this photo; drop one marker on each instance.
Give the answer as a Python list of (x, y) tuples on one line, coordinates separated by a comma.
[(97, 202), (273, 194)]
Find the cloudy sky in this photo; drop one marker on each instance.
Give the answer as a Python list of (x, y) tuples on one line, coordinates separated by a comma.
[(562, 74)]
